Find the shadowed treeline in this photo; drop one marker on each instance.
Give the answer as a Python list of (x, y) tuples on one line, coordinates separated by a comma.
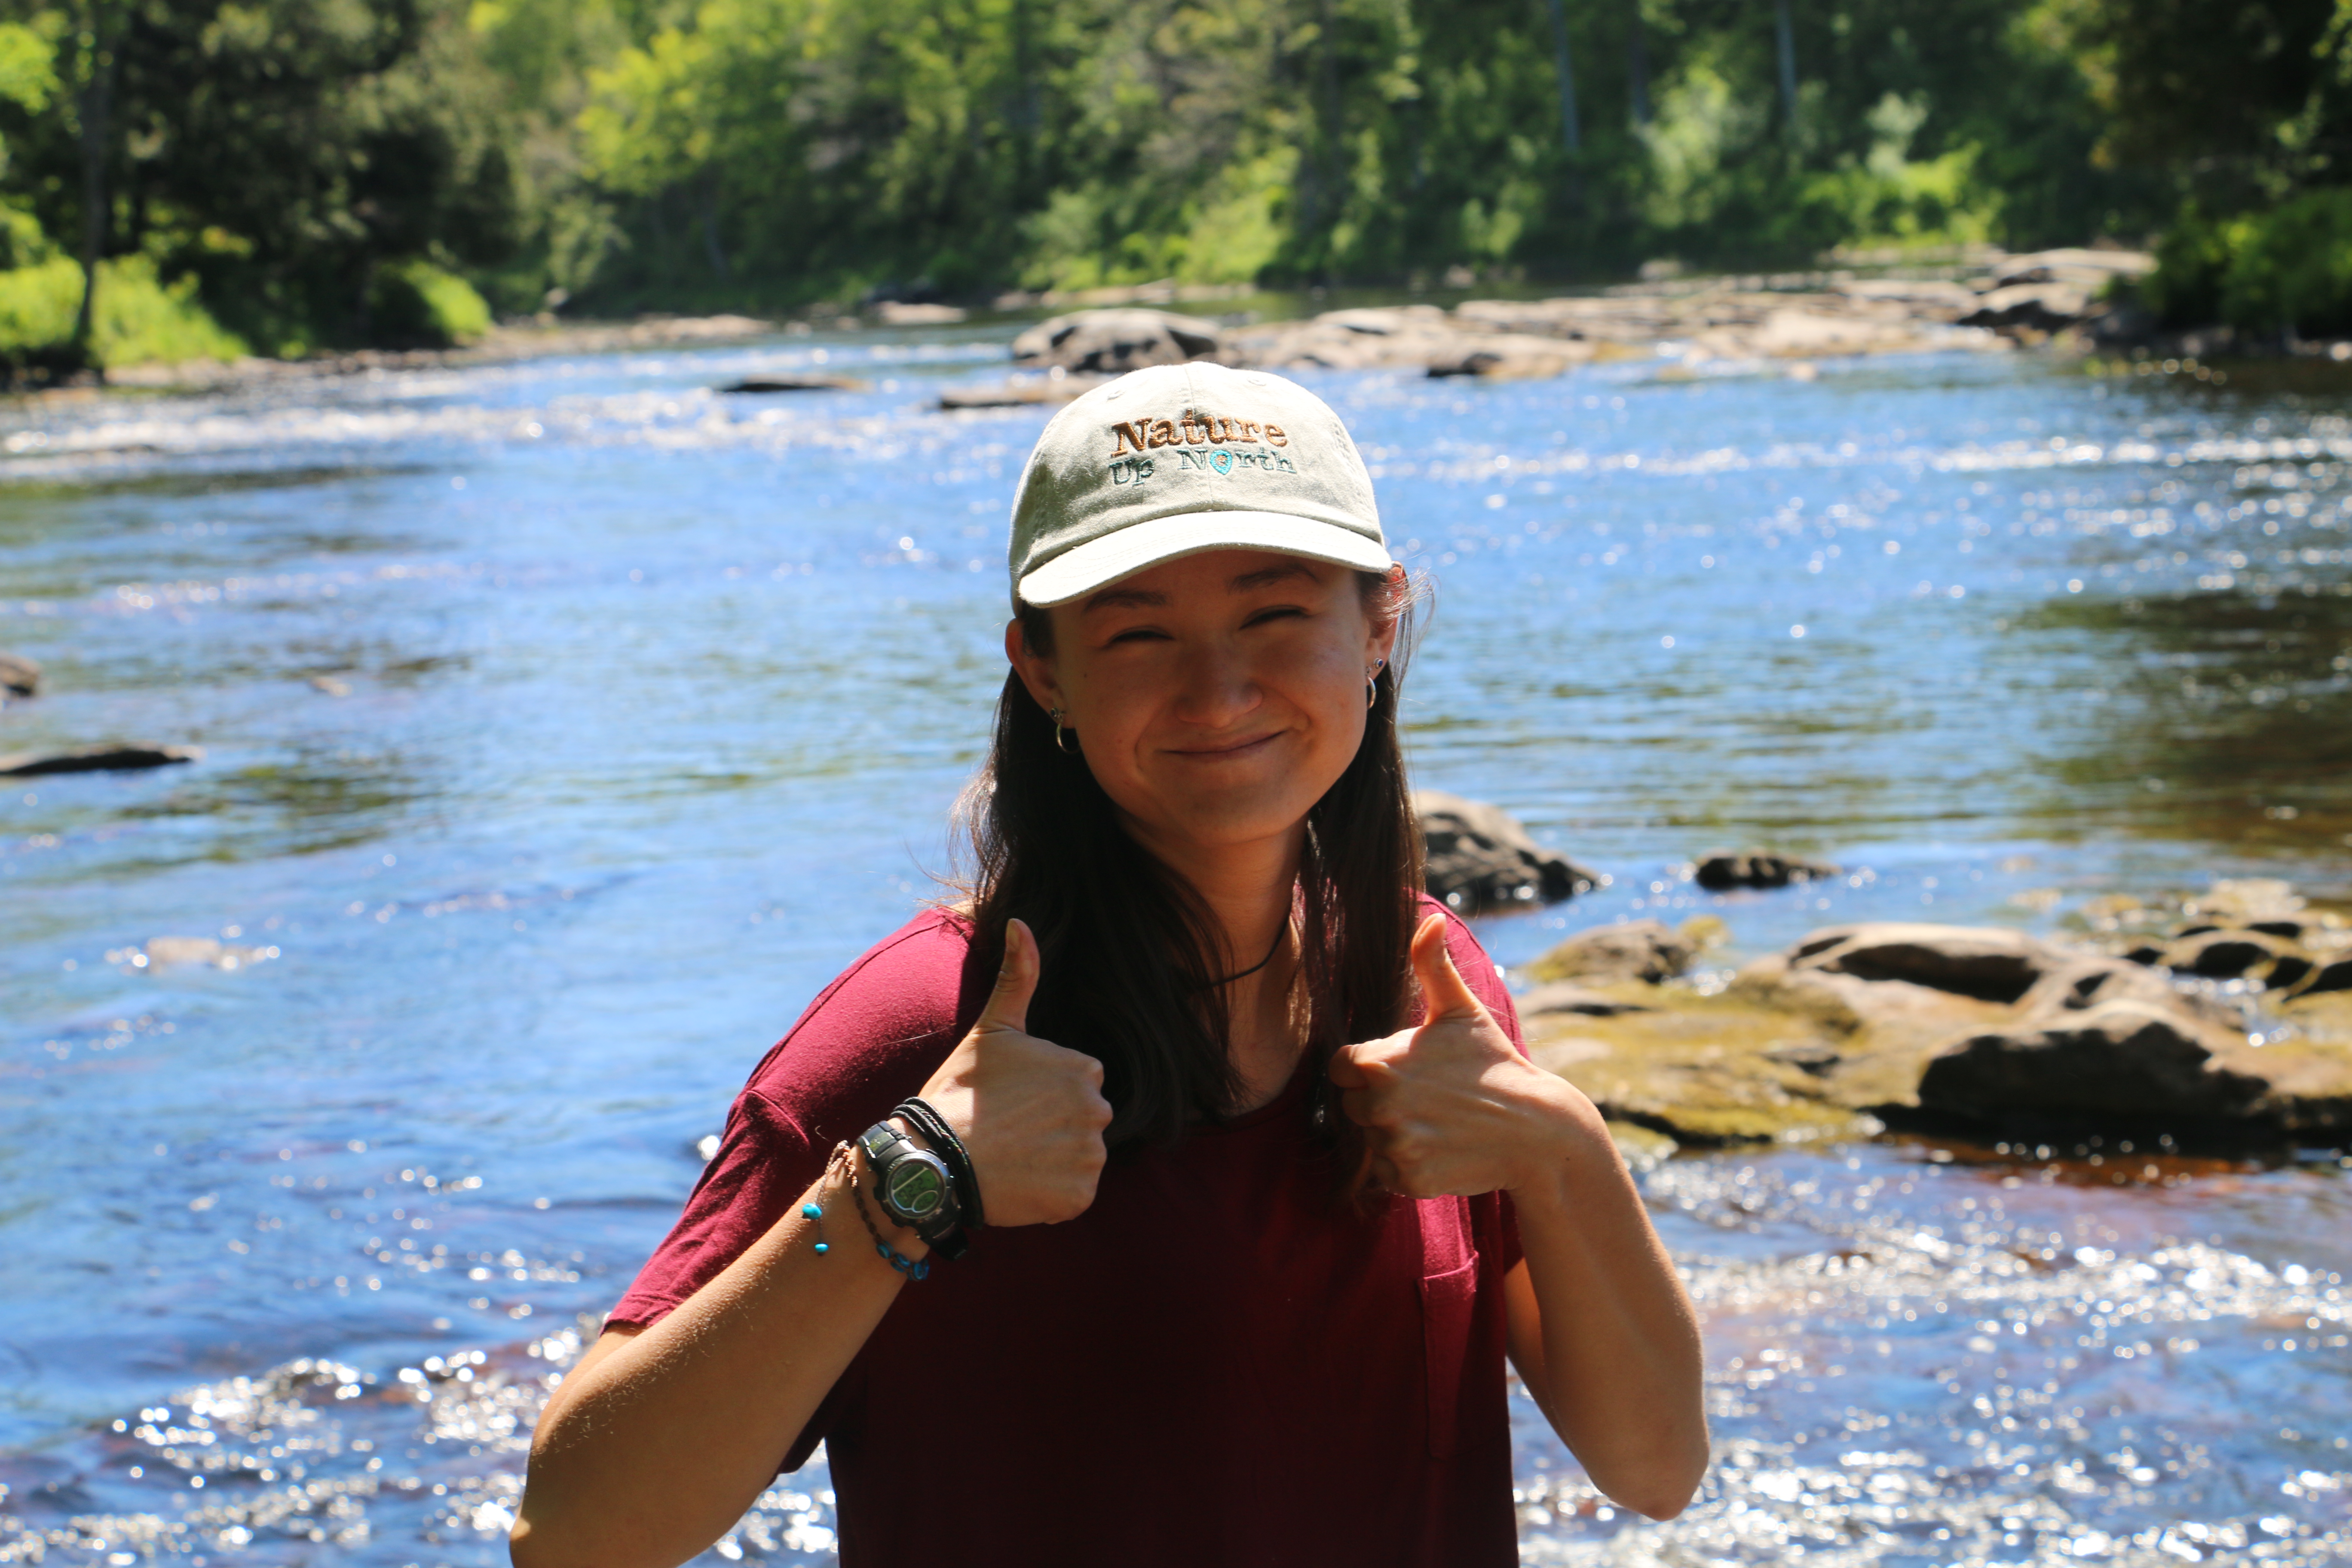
[(292, 175)]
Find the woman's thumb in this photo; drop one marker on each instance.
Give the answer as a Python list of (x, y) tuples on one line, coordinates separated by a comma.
[(1443, 992), (1016, 982)]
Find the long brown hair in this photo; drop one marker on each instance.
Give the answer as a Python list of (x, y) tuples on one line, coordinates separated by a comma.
[(1132, 958)]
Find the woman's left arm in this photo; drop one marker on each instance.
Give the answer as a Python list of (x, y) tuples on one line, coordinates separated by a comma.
[(1600, 1330)]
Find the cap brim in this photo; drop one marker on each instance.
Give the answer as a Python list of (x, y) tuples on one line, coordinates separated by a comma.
[(1099, 562)]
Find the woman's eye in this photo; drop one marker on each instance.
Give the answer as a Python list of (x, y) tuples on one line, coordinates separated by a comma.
[(1278, 613), (1137, 633)]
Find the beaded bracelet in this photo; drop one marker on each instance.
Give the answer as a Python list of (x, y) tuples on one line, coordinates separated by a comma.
[(912, 1268)]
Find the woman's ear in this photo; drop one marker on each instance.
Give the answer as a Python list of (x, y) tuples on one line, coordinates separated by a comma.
[(1035, 669), (1381, 641)]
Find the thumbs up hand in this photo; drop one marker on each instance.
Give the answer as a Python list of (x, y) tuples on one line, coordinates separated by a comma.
[(1029, 1113), (1450, 1108)]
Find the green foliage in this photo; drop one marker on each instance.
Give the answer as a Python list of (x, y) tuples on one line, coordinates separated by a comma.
[(139, 319), (331, 173), (2286, 269), (415, 304)]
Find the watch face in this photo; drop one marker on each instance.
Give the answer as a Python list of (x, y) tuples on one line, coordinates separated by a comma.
[(916, 1188)]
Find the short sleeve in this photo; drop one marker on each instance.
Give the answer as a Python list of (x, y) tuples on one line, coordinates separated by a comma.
[(763, 1165), (869, 1040)]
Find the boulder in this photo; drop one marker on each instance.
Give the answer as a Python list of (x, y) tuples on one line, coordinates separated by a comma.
[(1759, 868), (1993, 963), (1477, 857), (2118, 1059), (19, 676), (1112, 342), (97, 759), (1637, 950)]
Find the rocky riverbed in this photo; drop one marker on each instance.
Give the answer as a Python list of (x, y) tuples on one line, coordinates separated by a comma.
[(2218, 1019), (1791, 319)]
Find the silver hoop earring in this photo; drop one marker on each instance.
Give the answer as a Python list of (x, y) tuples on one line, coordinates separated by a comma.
[(1373, 686), (1066, 748)]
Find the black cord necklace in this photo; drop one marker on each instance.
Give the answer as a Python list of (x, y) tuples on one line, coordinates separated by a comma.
[(1281, 935)]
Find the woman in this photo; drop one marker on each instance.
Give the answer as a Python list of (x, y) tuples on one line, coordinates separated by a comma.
[(1268, 1190)]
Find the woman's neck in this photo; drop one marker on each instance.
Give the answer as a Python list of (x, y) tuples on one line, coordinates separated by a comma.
[(1249, 889)]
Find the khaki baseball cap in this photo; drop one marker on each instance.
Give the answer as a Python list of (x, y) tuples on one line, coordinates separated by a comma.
[(1179, 458)]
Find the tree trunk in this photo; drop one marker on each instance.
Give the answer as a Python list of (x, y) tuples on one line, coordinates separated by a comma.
[(1569, 140), (97, 105), (1637, 64), (711, 248), (1788, 46)]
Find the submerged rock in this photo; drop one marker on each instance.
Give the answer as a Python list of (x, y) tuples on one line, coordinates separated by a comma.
[(1759, 868), (1638, 949), (1111, 342), (19, 676), (2118, 1059), (1477, 857), (97, 759)]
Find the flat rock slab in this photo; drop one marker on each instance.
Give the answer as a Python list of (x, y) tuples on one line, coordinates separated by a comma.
[(765, 384), (1477, 857), (19, 676), (1046, 390), (97, 759), (1562, 996), (1759, 868)]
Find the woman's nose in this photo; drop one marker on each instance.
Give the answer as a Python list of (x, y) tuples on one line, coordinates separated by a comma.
[(1219, 689)]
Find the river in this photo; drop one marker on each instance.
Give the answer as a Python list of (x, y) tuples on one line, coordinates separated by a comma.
[(568, 724)]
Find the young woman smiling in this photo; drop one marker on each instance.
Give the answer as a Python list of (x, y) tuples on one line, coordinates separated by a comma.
[(1175, 1198)]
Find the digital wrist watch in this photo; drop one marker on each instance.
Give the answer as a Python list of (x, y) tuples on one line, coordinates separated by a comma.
[(915, 1188)]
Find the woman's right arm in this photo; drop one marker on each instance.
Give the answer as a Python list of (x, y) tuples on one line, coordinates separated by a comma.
[(658, 1440)]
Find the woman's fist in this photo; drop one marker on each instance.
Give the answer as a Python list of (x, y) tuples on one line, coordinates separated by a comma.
[(1031, 1114), (1451, 1109)]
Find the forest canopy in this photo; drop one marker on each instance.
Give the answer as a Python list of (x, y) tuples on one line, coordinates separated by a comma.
[(281, 176)]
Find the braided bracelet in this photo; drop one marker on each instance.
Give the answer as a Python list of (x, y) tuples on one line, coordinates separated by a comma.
[(912, 1268), (925, 1118)]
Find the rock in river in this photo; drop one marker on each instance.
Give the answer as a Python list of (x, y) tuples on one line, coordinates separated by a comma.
[(1993, 962), (1637, 950), (97, 759), (19, 676), (1759, 868), (1478, 858), (2119, 1060), (1114, 342)]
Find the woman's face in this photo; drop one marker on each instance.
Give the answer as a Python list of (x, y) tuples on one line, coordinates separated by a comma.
[(1217, 697)]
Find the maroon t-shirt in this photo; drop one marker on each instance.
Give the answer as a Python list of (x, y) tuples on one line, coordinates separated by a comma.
[(1214, 1365)]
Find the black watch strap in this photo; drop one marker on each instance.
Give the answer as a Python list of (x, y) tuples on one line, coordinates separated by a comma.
[(916, 1188), (925, 1120)]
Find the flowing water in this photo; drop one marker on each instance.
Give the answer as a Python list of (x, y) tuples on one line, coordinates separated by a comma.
[(567, 724)]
